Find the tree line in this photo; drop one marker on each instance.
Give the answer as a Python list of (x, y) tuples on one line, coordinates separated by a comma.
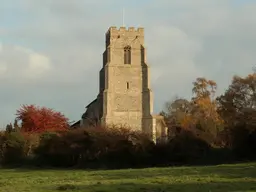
[(206, 129)]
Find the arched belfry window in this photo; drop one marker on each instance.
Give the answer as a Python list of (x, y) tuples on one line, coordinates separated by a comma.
[(127, 55)]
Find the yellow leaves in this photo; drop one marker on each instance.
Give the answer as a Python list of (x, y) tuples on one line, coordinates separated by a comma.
[(248, 80), (204, 103), (206, 109), (200, 110), (251, 76), (187, 121), (204, 88), (204, 112)]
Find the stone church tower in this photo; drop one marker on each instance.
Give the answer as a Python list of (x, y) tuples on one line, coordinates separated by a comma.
[(125, 97)]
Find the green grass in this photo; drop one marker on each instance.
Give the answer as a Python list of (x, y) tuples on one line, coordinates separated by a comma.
[(224, 178)]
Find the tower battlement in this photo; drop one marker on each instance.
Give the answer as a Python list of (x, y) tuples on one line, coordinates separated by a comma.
[(114, 31)]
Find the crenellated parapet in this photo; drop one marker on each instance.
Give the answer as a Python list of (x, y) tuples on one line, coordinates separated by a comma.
[(115, 30), (124, 33)]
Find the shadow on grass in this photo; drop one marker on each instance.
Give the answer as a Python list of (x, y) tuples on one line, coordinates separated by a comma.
[(224, 171), (131, 187), (232, 171)]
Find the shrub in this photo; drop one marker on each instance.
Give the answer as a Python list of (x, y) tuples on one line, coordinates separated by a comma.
[(112, 148), (12, 148), (187, 148), (244, 142), (44, 153), (120, 148), (2, 146)]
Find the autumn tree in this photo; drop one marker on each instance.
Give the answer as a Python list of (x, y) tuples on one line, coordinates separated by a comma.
[(199, 115), (205, 107), (176, 113), (40, 119), (238, 104), (176, 110), (203, 88)]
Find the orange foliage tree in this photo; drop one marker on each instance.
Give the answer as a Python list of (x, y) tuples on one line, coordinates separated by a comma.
[(40, 119), (205, 106), (208, 121), (199, 115)]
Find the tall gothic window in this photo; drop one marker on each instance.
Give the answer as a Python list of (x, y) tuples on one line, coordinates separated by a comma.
[(127, 55)]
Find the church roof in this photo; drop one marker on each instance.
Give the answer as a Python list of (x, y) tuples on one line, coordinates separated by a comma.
[(76, 124), (91, 103)]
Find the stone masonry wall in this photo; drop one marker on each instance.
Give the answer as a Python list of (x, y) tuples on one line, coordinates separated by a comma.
[(127, 95)]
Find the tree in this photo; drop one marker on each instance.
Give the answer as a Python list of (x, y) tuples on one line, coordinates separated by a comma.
[(205, 107), (238, 104), (9, 128), (176, 110), (40, 119), (176, 114), (237, 107), (204, 88), (16, 126), (199, 115)]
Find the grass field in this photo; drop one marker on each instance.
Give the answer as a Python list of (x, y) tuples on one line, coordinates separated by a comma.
[(224, 178)]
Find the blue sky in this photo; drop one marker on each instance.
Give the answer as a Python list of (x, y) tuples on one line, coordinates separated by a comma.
[(50, 51)]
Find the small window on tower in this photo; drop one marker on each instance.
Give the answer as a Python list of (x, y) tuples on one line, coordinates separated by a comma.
[(127, 55), (127, 85)]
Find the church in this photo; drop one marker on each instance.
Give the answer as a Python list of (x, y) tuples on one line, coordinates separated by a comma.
[(125, 97)]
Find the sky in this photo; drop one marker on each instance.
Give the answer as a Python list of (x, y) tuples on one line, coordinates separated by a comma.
[(51, 50)]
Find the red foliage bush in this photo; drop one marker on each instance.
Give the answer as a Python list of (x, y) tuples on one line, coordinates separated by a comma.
[(40, 119)]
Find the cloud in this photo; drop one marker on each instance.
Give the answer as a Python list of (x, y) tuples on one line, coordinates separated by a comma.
[(172, 53), (38, 65), (3, 68), (51, 53), (21, 64)]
